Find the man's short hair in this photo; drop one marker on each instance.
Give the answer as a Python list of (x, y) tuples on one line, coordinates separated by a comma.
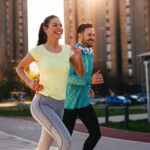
[(82, 27)]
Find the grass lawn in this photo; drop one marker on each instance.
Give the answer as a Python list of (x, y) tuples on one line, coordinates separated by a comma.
[(119, 110), (22, 110), (137, 125), (15, 111)]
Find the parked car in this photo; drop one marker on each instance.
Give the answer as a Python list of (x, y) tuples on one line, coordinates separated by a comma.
[(137, 98), (140, 97), (134, 99), (97, 99), (117, 100)]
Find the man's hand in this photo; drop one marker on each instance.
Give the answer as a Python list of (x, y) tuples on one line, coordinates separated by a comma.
[(91, 93), (97, 78)]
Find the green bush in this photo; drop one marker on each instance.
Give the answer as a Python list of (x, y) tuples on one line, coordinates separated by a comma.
[(4, 89), (12, 82)]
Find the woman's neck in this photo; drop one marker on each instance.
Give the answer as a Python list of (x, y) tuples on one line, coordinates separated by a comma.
[(53, 45)]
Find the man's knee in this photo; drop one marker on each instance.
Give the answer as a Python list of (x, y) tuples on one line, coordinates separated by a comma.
[(96, 135)]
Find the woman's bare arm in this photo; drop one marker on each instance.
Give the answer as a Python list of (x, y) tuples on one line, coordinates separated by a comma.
[(25, 62), (76, 61)]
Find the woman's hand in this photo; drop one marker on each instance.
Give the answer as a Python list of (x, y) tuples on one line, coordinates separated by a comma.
[(35, 86), (76, 50), (76, 61)]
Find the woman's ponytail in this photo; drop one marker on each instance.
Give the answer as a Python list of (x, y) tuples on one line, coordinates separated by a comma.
[(42, 35)]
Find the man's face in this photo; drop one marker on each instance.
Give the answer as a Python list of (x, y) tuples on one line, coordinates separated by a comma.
[(88, 37)]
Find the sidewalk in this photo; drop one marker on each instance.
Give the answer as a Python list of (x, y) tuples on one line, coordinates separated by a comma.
[(23, 134)]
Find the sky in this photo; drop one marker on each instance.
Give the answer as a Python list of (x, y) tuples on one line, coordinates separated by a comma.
[(38, 10)]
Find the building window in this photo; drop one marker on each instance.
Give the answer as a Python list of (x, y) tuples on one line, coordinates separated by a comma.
[(21, 40), (129, 46), (7, 17), (108, 39), (130, 72), (108, 64), (108, 57), (128, 20), (20, 2), (21, 33), (107, 24), (108, 47), (107, 11), (107, 32), (108, 28), (20, 20), (107, 2), (128, 29), (20, 13), (127, 2), (20, 27), (129, 54), (7, 3), (107, 16), (146, 29), (70, 17), (130, 62), (128, 11)]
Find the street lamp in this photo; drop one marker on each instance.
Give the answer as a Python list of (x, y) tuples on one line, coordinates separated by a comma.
[(146, 60), (146, 63)]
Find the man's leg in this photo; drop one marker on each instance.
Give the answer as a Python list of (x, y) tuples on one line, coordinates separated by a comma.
[(89, 118), (69, 119)]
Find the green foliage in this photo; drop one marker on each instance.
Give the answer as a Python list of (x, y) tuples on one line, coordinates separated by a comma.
[(119, 110), (12, 82), (4, 89), (138, 125)]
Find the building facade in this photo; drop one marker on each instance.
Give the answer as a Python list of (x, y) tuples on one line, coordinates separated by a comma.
[(122, 32), (75, 13), (14, 32), (135, 27)]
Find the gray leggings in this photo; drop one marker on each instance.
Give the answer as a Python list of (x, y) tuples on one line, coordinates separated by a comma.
[(49, 112)]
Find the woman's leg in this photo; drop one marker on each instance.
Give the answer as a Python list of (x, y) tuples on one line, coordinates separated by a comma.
[(46, 116), (45, 140)]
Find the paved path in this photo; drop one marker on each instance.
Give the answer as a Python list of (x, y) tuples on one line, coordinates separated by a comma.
[(23, 134)]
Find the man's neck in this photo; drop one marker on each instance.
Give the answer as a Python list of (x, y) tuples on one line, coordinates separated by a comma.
[(81, 44)]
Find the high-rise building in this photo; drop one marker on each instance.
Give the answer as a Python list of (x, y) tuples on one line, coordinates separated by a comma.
[(135, 38), (122, 32), (77, 12), (108, 33), (13, 35)]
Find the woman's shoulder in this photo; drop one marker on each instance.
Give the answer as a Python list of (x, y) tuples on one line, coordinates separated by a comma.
[(67, 49), (36, 49)]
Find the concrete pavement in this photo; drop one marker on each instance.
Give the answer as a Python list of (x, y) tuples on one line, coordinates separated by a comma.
[(23, 134), (11, 142)]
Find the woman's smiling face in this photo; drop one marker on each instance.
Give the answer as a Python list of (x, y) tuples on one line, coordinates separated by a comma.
[(54, 29)]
